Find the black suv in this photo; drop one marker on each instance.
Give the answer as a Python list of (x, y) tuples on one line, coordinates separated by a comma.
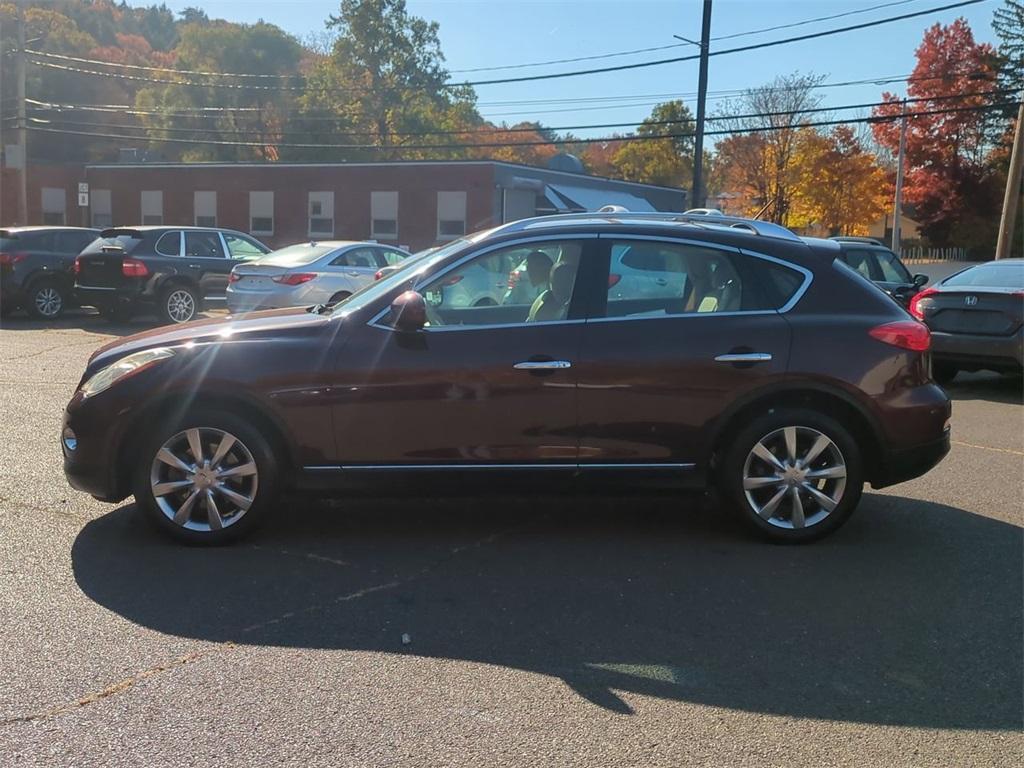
[(36, 268), (881, 266), (175, 270)]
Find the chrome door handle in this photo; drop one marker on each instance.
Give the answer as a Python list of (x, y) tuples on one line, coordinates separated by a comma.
[(543, 365), (195, 266), (744, 357)]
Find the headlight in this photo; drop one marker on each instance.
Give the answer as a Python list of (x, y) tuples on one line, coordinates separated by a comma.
[(105, 377)]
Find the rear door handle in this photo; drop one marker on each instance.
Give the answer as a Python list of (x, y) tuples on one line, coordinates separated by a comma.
[(543, 365), (195, 266), (744, 357)]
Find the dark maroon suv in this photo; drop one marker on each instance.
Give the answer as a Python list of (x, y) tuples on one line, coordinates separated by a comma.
[(657, 351)]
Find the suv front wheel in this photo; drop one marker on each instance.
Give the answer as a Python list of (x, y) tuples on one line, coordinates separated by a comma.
[(208, 478), (794, 475)]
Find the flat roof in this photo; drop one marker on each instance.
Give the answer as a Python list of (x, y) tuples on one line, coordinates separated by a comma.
[(385, 164)]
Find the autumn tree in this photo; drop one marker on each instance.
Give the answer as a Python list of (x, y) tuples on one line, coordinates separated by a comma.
[(667, 161), (758, 158), (948, 180), (837, 184)]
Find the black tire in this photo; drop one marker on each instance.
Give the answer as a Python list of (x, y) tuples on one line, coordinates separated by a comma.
[(339, 296), (943, 373), (250, 443), (46, 299), (116, 312), (179, 303), (770, 430)]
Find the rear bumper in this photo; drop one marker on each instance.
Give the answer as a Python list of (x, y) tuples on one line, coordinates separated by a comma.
[(908, 463), (1003, 352)]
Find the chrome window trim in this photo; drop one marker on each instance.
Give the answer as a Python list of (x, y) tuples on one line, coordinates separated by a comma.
[(375, 320), (793, 300)]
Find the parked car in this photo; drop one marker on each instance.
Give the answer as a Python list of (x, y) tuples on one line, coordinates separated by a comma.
[(174, 270), (36, 268), (976, 318), (733, 384), (301, 275), (881, 266)]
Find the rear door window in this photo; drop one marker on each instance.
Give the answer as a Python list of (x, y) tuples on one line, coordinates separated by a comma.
[(169, 244), (203, 245)]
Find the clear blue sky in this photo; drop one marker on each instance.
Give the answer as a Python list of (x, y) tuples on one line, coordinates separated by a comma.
[(490, 33)]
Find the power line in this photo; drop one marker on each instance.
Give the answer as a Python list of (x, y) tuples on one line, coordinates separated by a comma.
[(482, 130), (812, 21), (532, 143), (531, 78)]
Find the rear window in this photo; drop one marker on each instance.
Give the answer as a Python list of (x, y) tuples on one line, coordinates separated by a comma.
[(297, 255), (120, 242), (991, 276)]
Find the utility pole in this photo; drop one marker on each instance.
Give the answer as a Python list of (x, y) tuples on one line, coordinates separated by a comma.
[(19, 65), (702, 95), (897, 207), (1011, 200)]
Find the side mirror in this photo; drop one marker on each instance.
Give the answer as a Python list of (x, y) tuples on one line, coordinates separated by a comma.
[(920, 281), (408, 312)]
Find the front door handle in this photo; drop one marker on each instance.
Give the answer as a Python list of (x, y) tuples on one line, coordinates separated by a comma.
[(744, 357), (543, 365), (195, 266)]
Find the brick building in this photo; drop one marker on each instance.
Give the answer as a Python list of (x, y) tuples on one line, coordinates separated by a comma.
[(412, 204)]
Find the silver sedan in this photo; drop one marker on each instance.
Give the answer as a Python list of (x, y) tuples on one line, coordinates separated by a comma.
[(308, 273)]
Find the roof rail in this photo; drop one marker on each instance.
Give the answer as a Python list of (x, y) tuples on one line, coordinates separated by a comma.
[(762, 228)]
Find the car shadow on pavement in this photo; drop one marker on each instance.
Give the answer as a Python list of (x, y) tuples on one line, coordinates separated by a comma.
[(910, 615), (90, 321), (988, 386)]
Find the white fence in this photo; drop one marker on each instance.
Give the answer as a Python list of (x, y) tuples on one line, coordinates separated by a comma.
[(920, 254)]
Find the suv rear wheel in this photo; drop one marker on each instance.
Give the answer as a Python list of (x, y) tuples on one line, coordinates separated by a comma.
[(179, 304), (793, 475), (208, 478), (46, 299)]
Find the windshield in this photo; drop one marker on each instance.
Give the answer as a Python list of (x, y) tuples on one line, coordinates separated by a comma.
[(990, 275), (412, 266), (295, 255)]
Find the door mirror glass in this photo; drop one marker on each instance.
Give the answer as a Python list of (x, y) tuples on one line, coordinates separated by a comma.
[(920, 281), (408, 312)]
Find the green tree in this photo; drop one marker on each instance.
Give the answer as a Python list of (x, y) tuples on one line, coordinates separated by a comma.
[(385, 75), (667, 161), (1008, 24)]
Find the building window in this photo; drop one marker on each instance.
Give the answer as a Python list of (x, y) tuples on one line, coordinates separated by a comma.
[(54, 200), (451, 215), (100, 209), (384, 215), (205, 205), (152, 203), (261, 213), (321, 214)]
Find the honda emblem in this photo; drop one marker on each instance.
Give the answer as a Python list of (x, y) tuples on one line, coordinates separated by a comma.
[(970, 301)]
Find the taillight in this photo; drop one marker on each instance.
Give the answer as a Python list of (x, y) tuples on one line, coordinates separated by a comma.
[(78, 265), (134, 268), (613, 280), (378, 274), (915, 303), (12, 258), (294, 278), (452, 280), (513, 278), (234, 277), (905, 334)]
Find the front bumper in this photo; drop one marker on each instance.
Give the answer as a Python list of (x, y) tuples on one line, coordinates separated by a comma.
[(91, 466), (908, 463), (1000, 352)]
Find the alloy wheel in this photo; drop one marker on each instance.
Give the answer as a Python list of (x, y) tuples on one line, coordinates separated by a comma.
[(204, 479), (48, 301), (181, 307), (794, 477)]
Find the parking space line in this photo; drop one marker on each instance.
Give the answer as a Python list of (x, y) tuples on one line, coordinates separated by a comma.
[(1014, 451)]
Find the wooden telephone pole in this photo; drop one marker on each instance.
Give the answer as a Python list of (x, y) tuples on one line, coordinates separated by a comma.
[(1011, 200), (21, 123)]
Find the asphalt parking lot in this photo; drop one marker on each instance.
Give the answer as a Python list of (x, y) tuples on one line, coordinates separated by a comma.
[(562, 632)]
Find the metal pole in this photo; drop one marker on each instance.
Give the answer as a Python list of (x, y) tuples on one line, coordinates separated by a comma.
[(1011, 200), (19, 64), (702, 94), (898, 202)]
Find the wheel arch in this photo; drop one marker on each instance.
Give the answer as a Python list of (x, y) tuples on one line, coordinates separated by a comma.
[(830, 400), (238, 404)]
